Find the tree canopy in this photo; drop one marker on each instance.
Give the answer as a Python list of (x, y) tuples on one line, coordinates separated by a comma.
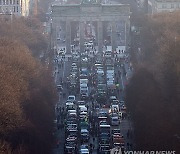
[(27, 30), (153, 94), (27, 90)]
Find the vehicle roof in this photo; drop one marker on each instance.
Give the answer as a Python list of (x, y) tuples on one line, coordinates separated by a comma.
[(71, 96), (114, 105), (84, 131), (116, 117), (113, 97), (69, 103), (105, 126)]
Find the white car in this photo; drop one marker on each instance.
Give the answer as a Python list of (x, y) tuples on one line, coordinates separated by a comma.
[(82, 108), (74, 65)]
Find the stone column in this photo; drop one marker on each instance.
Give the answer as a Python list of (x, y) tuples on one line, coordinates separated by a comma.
[(81, 28), (68, 36), (52, 34), (100, 36), (127, 32), (113, 35)]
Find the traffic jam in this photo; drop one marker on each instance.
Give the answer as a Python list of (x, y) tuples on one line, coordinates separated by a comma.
[(93, 107)]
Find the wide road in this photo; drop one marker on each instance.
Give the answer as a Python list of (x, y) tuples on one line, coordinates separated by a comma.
[(62, 67)]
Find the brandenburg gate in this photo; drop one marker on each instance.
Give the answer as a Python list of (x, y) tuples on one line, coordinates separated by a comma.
[(93, 12)]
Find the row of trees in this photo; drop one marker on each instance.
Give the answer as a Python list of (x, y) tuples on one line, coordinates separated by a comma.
[(27, 30), (27, 91), (153, 94), (43, 6)]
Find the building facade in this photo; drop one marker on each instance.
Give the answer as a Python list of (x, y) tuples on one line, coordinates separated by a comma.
[(15, 7), (157, 6), (25, 6)]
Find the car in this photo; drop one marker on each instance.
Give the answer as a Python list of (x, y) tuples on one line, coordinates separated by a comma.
[(82, 108), (84, 149), (84, 135), (81, 103), (71, 138), (70, 105), (76, 55), (59, 87), (104, 149), (115, 121), (72, 98), (74, 65), (83, 117), (116, 132), (103, 122), (112, 98), (84, 96), (75, 59), (72, 127), (70, 148), (118, 140), (71, 112)]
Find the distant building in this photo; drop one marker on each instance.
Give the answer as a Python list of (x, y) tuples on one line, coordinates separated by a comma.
[(15, 7), (25, 6), (157, 6)]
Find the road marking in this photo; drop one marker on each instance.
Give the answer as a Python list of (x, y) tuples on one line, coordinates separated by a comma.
[(122, 81)]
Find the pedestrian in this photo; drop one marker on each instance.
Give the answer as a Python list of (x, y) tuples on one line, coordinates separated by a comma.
[(58, 118), (118, 90), (60, 109), (64, 95), (57, 143), (91, 146), (127, 146), (56, 109), (128, 133), (93, 139), (92, 104), (119, 72), (131, 146)]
